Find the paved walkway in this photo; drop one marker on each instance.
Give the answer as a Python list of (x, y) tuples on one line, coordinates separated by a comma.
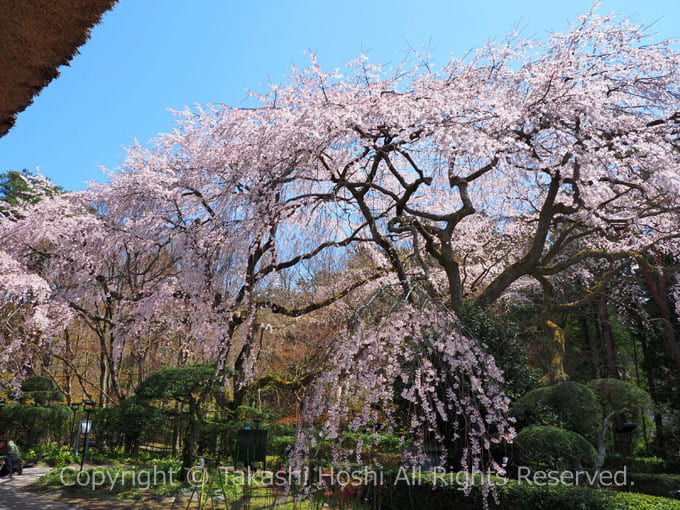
[(14, 496)]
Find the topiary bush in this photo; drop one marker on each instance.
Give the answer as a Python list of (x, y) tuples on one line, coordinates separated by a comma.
[(567, 405), (577, 408), (41, 390), (618, 396), (281, 446), (31, 425), (553, 447)]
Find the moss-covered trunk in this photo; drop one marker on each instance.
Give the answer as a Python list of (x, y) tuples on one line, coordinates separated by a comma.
[(189, 450)]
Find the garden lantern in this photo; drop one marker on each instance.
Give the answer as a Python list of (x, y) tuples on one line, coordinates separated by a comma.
[(86, 427)]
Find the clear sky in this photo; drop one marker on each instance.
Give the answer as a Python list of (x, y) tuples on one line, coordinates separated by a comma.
[(150, 55)]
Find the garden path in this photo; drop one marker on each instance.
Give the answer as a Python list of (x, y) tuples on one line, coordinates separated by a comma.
[(14, 496)]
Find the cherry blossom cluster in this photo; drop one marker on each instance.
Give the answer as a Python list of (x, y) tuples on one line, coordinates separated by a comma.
[(410, 373)]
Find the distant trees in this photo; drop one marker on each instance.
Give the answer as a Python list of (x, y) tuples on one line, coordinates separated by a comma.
[(22, 188)]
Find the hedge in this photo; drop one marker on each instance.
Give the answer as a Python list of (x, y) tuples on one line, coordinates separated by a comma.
[(30, 425), (655, 485), (651, 465), (515, 496)]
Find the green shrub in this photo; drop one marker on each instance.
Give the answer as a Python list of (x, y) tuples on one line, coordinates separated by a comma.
[(53, 454), (577, 408), (30, 425), (651, 465), (281, 446), (277, 429), (616, 395), (130, 425), (554, 447), (138, 421), (516, 496), (567, 405), (41, 390), (374, 443), (667, 486), (389, 444), (503, 340)]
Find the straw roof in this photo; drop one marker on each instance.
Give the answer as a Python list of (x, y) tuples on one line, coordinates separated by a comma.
[(36, 37)]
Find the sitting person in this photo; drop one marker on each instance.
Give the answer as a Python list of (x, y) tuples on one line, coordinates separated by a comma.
[(3, 467), (12, 457)]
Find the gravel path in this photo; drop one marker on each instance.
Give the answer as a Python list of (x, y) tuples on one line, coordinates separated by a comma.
[(14, 496)]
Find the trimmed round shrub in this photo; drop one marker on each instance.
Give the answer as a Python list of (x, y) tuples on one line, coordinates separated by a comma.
[(554, 447), (41, 390), (567, 405)]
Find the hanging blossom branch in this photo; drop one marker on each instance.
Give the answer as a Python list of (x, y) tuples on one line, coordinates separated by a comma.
[(413, 373)]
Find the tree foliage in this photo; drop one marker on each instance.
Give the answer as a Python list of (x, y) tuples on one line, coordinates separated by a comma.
[(19, 189), (41, 390), (180, 392), (30, 424), (617, 396), (185, 385)]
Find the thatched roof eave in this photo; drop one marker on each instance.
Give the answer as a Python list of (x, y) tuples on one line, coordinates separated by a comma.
[(36, 37)]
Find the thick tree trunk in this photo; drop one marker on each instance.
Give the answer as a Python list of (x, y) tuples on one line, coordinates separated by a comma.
[(556, 371), (601, 448), (103, 379), (113, 373), (592, 346), (452, 270), (658, 288), (608, 337), (190, 444), (501, 283)]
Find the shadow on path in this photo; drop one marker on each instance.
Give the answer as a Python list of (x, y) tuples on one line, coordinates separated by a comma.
[(14, 496)]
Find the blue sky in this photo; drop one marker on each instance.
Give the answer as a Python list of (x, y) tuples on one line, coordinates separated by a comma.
[(150, 55)]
